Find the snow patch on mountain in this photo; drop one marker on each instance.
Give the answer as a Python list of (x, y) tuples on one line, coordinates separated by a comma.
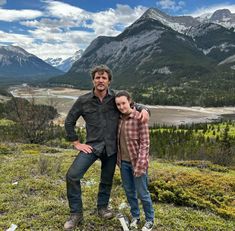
[(223, 48), (180, 37), (64, 64), (17, 63), (165, 21), (230, 59), (204, 17), (19, 54), (178, 23), (222, 17), (202, 29), (164, 70), (7, 50), (54, 61)]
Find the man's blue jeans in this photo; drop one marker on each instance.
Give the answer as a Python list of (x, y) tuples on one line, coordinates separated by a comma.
[(136, 186), (75, 173)]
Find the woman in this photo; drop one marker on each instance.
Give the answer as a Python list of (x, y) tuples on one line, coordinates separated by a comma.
[(133, 159)]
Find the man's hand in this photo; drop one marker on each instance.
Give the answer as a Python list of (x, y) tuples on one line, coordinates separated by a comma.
[(82, 147), (144, 116)]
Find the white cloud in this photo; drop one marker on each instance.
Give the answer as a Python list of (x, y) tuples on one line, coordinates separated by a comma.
[(78, 37), (15, 39), (64, 10), (47, 50), (170, 5), (62, 29), (3, 2), (105, 22), (50, 23), (48, 45), (15, 15), (65, 28), (212, 8)]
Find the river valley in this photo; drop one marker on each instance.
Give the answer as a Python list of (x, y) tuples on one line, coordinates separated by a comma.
[(63, 98)]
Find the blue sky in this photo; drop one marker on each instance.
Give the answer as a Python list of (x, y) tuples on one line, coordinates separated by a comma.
[(49, 28)]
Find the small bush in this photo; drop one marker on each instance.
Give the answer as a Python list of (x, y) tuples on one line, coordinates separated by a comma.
[(7, 149), (202, 165), (195, 189)]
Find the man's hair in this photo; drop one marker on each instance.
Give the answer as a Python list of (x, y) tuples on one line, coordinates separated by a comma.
[(127, 95), (101, 68)]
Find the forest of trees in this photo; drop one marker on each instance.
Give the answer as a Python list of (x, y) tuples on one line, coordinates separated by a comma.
[(206, 91), (29, 123), (204, 141)]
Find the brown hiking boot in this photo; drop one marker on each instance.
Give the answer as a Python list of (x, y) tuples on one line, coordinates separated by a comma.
[(105, 213), (73, 221)]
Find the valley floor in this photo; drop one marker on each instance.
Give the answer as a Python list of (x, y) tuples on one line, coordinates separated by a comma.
[(63, 98)]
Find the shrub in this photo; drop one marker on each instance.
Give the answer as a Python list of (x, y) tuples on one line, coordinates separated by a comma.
[(202, 190), (201, 164)]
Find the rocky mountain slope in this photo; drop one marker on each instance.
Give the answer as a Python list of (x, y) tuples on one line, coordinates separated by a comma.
[(17, 64), (156, 47)]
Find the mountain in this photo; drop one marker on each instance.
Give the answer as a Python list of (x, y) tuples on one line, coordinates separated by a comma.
[(164, 60), (177, 23), (144, 52), (55, 62), (182, 24), (64, 64), (222, 17), (16, 64), (214, 40)]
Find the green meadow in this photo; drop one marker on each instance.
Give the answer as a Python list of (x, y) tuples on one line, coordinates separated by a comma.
[(187, 195)]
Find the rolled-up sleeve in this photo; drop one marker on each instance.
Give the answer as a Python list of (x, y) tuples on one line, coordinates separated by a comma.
[(139, 107)]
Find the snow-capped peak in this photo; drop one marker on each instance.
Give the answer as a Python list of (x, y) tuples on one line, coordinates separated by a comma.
[(64, 64), (202, 29), (9, 50), (177, 23), (222, 17)]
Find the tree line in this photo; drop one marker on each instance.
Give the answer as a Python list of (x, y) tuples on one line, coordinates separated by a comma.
[(31, 123), (204, 141)]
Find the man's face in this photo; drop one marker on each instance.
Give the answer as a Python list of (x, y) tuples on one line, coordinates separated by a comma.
[(101, 81)]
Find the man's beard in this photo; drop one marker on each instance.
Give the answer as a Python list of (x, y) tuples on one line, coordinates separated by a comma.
[(101, 89)]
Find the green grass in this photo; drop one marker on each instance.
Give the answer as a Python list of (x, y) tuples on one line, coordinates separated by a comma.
[(33, 193), (5, 122)]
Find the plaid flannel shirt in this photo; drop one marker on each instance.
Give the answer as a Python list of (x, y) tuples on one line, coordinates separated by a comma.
[(137, 139)]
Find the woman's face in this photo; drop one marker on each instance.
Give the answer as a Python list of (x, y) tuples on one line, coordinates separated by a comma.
[(123, 104)]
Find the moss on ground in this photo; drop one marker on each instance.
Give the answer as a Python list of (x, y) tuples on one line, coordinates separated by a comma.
[(33, 193)]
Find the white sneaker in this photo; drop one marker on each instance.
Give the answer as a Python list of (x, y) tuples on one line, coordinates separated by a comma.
[(134, 223), (148, 226)]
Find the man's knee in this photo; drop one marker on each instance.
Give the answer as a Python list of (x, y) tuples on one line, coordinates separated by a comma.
[(73, 175)]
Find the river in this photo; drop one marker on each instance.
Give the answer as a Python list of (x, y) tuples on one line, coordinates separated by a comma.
[(63, 98)]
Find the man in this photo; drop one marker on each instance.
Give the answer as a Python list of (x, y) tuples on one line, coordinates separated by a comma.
[(101, 115)]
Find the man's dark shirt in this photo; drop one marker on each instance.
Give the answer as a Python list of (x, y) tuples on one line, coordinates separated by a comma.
[(101, 121)]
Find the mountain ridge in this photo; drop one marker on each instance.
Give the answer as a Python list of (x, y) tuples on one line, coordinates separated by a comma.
[(16, 64), (155, 58)]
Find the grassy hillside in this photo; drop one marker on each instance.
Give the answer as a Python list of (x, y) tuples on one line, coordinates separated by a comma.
[(33, 195)]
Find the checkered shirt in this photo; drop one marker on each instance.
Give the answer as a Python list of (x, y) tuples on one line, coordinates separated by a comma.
[(137, 140)]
